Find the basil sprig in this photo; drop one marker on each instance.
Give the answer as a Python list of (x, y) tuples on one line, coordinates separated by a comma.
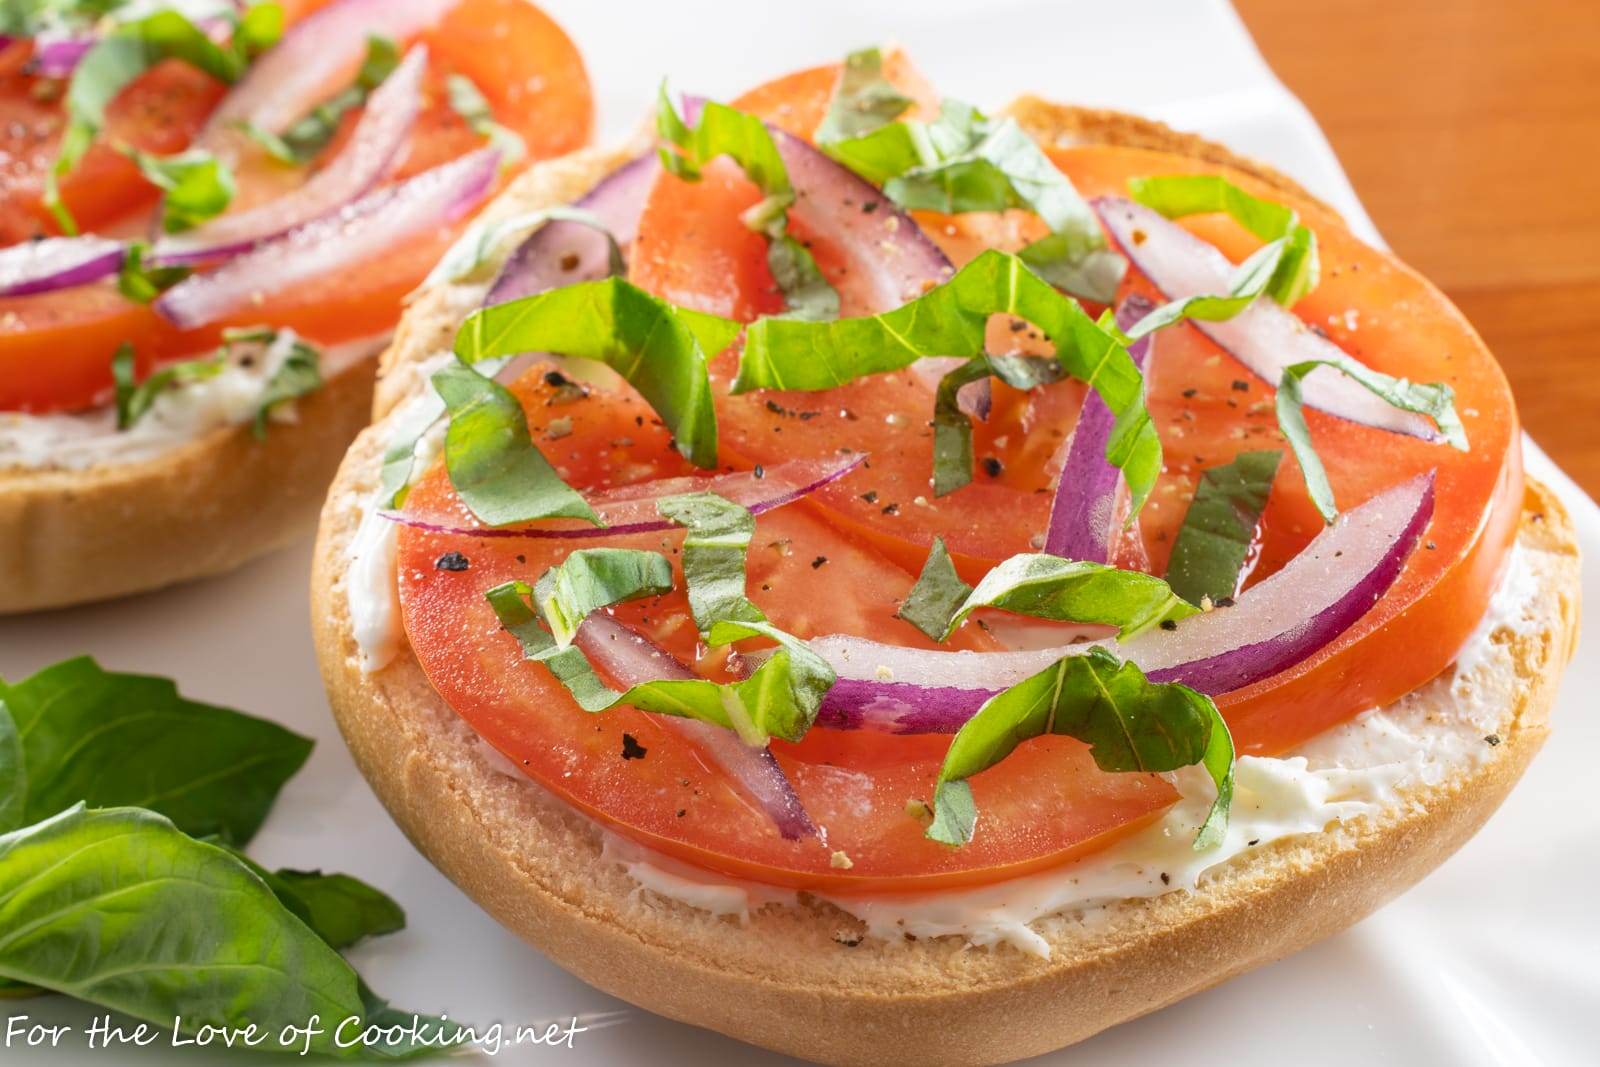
[(951, 320), (863, 101), (1209, 553), (744, 138), (937, 595), (1129, 722), (965, 161)]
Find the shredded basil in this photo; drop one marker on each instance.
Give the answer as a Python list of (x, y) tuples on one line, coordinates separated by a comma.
[(1048, 587), (714, 551), (492, 461), (725, 131), (134, 399), (1209, 553), (1130, 724), (864, 100), (1435, 400), (661, 350), (308, 136), (965, 161), (937, 595), (952, 430), (142, 283), (298, 375), (198, 186), (593, 578), (950, 320), (468, 101)]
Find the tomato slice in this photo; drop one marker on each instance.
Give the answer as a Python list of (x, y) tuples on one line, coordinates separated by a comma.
[(55, 348), (1050, 803)]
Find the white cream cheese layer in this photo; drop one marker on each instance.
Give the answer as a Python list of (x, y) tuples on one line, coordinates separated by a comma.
[(79, 440)]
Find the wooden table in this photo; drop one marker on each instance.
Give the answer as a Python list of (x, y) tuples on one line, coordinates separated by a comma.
[(1471, 129)]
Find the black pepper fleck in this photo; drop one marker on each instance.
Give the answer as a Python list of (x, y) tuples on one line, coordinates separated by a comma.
[(1166, 879), (631, 748), (870, 496), (1225, 602), (1169, 624), (1492, 740), (818, 562), (992, 466), (452, 561), (1241, 386), (891, 509)]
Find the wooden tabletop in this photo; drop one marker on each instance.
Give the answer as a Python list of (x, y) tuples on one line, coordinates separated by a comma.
[(1471, 129)]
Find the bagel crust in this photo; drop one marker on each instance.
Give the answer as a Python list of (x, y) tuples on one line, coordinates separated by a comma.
[(198, 509), (786, 979)]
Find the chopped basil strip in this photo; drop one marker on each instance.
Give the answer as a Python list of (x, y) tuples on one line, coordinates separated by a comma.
[(593, 578), (1435, 400), (198, 186), (1042, 586), (950, 320), (119, 57), (141, 283), (511, 604), (661, 350), (180, 928), (864, 100), (298, 375), (1249, 280), (491, 458), (1209, 553), (952, 429), (725, 131), (468, 101), (937, 596), (714, 550), (1129, 722), (307, 137), (964, 161), (1291, 266), (208, 769), (482, 250), (134, 399)]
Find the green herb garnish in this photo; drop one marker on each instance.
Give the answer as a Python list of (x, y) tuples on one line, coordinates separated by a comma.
[(468, 101), (1042, 586), (141, 283), (864, 100), (1209, 553), (198, 186), (937, 595), (714, 551), (483, 248), (300, 374), (593, 578), (307, 137)]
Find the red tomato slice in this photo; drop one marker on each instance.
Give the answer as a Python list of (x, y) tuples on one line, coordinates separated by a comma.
[(1050, 804), (55, 348)]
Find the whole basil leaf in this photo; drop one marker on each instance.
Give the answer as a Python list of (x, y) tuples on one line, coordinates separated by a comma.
[(714, 551), (119, 908), (1129, 723), (104, 738), (661, 350), (950, 320), (593, 578), (1062, 590), (937, 595), (1209, 553), (491, 458), (341, 910)]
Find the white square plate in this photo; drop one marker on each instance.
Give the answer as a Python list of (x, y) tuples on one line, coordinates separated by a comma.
[(1491, 960)]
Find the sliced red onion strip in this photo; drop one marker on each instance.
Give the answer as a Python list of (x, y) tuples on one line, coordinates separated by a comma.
[(631, 658), (1265, 337), (1274, 625), (377, 222), (1083, 515), (377, 143), (631, 509), (316, 57), (562, 252), (58, 57), (57, 263)]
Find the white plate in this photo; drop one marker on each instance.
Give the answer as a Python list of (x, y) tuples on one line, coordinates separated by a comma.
[(1489, 961)]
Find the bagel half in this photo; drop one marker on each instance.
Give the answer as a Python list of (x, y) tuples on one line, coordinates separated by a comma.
[(785, 979)]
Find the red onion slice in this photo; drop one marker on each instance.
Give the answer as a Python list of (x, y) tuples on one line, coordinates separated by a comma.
[(1273, 625), (377, 222), (57, 263), (316, 56), (631, 658), (631, 509), (1265, 337), (372, 151), (58, 57), (562, 252), (1083, 515)]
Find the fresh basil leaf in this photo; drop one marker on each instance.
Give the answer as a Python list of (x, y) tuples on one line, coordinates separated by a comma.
[(937, 595), (744, 138), (952, 429), (400, 457), (1129, 723), (1294, 264), (593, 578), (13, 772), (661, 350), (955, 813), (950, 320), (1209, 553), (112, 739), (119, 908), (106, 69), (491, 458), (198, 186), (1048, 587), (1433, 399), (341, 910), (714, 551), (965, 161), (308, 136), (141, 283), (298, 375), (258, 29), (864, 100), (134, 399), (468, 101), (511, 604)]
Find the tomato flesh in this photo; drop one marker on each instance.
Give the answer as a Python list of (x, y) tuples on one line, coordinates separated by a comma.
[(55, 348)]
